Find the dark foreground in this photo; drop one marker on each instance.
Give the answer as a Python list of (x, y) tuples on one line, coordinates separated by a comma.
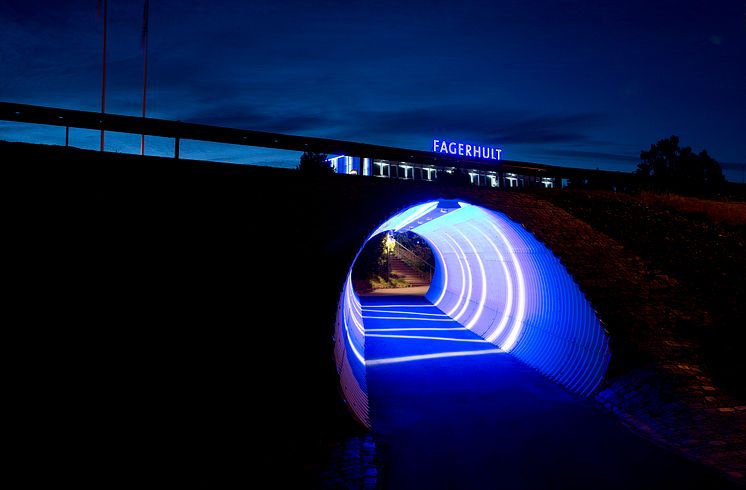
[(174, 320)]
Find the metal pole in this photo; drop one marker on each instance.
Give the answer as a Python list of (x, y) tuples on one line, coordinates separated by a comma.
[(67, 135), (144, 71), (176, 148), (103, 75), (388, 260)]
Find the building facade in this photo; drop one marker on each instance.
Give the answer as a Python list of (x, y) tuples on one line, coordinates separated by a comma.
[(483, 175)]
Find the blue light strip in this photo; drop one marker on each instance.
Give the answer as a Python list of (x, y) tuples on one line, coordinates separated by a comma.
[(405, 217), (468, 281), (349, 353), (439, 355), (411, 329), (412, 318), (483, 283), (376, 310), (396, 306), (426, 337), (461, 277)]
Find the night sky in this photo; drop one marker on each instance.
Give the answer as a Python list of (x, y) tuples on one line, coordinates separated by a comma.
[(586, 84)]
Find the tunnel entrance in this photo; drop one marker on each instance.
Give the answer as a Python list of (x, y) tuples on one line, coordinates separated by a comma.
[(394, 264), (493, 280)]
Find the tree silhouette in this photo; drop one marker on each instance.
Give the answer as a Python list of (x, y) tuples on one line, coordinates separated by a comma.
[(312, 163), (668, 167)]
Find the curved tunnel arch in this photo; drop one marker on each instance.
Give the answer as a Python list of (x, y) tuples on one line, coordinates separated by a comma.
[(497, 280)]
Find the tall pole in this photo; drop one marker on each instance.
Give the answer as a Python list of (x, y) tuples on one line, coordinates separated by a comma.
[(144, 69), (388, 257), (103, 74)]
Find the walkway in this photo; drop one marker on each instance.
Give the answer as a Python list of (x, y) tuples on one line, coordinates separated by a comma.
[(411, 291), (449, 410)]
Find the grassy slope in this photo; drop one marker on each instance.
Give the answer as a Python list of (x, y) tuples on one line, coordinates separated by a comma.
[(699, 243)]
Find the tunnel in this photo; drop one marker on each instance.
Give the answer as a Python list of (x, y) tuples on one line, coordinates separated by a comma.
[(495, 279)]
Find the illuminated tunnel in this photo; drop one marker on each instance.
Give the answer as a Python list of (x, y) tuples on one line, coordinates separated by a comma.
[(497, 280)]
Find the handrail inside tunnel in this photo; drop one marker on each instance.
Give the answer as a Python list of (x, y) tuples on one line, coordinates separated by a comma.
[(497, 280)]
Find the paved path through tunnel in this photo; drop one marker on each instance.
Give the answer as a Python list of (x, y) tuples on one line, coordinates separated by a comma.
[(450, 410)]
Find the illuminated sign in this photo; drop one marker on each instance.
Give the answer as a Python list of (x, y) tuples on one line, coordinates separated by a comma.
[(466, 150)]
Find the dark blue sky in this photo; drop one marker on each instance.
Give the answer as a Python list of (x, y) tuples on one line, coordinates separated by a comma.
[(561, 82)]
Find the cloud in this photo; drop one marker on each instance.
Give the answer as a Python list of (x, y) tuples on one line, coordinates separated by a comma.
[(390, 126), (397, 127), (244, 117), (596, 155), (497, 127)]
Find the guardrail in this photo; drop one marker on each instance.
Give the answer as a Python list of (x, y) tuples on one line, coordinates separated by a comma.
[(414, 261), (68, 118), (178, 130)]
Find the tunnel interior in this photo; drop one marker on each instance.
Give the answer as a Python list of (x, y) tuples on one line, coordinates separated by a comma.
[(497, 280)]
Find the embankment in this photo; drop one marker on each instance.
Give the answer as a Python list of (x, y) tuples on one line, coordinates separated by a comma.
[(183, 311)]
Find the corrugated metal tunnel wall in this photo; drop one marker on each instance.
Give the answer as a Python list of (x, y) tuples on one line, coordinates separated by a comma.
[(497, 280)]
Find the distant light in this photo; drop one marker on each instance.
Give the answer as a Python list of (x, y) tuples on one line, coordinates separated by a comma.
[(390, 242)]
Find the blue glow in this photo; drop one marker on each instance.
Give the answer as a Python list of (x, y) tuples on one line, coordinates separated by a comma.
[(350, 343), (470, 282), (414, 319), (376, 310), (425, 337), (467, 150), (410, 329), (350, 312), (483, 295), (400, 220), (441, 272), (461, 277), (439, 355), (508, 288), (396, 306), (348, 165), (521, 309), (496, 280)]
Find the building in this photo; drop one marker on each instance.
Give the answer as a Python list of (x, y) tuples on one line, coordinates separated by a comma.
[(502, 174)]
